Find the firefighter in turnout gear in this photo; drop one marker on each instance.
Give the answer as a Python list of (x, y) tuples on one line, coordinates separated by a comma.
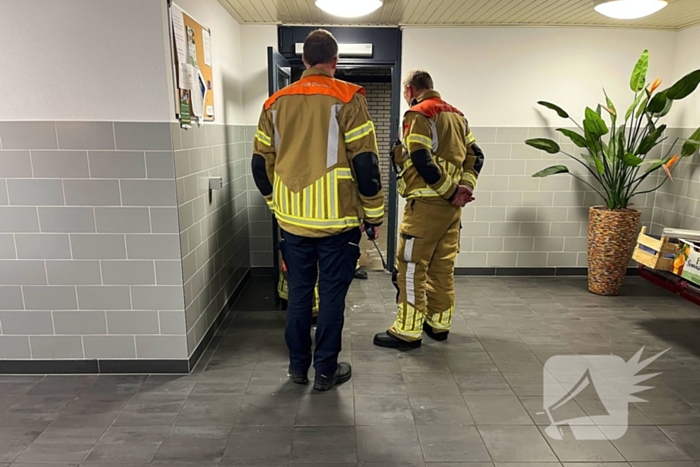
[(315, 162), (438, 167)]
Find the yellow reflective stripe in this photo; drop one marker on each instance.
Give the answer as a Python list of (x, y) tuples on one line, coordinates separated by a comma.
[(441, 321), (263, 138), (319, 223), (409, 322), (307, 201), (359, 132), (470, 138), (444, 188), (469, 177), (419, 139), (374, 212), (423, 193), (343, 173)]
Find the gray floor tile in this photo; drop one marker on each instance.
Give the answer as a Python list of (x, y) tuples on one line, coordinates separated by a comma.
[(686, 437), (516, 444), (430, 384), (373, 361), (93, 411), (647, 443), (440, 411), (378, 384), (668, 410), (135, 445), (7, 401), (114, 385), (452, 444), (61, 386), (604, 464), (483, 384), (148, 409), (209, 410), (547, 464), (423, 363), (13, 441), (324, 445), (34, 411), (264, 445), (498, 410), (61, 445), (475, 362), (326, 409), (231, 384), (570, 449), (167, 384), (530, 384), (268, 410), (664, 464), (17, 385), (382, 444), (383, 410), (199, 444), (523, 362)]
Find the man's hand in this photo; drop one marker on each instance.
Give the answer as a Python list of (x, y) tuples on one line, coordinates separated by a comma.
[(372, 231), (463, 196)]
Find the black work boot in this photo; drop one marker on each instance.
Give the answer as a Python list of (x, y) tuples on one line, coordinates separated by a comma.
[(297, 377), (438, 336), (342, 375), (390, 341), (361, 274)]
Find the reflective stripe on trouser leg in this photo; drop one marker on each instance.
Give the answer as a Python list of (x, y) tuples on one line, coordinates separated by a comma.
[(410, 280), (440, 289)]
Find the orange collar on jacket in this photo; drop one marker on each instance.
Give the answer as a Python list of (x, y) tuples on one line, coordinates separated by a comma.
[(315, 81), (430, 104)]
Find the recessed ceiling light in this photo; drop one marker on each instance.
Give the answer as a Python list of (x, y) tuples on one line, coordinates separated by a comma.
[(349, 8), (628, 9)]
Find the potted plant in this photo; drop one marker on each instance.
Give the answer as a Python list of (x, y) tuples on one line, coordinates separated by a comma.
[(617, 157)]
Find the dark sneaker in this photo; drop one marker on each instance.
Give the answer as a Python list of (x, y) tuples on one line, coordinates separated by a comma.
[(438, 336), (390, 341), (298, 377), (361, 274), (342, 375)]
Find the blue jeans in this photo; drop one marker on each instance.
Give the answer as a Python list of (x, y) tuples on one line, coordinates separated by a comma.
[(335, 258)]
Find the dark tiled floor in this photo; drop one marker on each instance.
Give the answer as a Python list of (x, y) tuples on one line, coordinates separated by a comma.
[(473, 401)]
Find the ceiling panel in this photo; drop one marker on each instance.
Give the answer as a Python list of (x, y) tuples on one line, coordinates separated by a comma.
[(679, 13)]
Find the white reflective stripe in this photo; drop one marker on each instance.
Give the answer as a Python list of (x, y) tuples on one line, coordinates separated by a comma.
[(307, 201), (410, 284), (333, 135), (433, 126), (274, 126)]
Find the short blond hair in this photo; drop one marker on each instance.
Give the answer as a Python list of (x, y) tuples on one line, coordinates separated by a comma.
[(419, 79)]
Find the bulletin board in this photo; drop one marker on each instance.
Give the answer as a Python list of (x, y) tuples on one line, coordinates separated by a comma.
[(192, 57)]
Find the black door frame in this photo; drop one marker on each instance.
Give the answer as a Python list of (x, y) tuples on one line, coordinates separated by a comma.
[(387, 43)]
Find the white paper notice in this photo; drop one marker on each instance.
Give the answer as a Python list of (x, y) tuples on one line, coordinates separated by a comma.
[(198, 94), (179, 34), (187, 77), (206, 42)]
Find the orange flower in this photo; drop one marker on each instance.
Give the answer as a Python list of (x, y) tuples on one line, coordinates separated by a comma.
[(655, 85), (671, 162)]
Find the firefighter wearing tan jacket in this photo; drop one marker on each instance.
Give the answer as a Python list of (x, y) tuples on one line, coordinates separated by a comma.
[(315, 162), (438, 170)]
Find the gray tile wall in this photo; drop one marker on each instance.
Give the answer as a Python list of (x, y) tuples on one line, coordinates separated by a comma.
[(516, 220), (678, 202), (90, 263), (214, 230)]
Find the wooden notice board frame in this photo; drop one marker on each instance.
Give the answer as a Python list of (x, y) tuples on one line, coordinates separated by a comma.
[(197, 36)]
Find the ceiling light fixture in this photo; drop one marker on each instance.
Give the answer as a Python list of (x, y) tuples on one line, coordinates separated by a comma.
[(629, 9), (349, 8)]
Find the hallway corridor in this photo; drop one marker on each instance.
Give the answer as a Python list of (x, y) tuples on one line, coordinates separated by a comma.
[(473, 401)]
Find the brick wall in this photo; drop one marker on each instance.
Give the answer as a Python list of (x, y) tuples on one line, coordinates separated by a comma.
[(379, 102)]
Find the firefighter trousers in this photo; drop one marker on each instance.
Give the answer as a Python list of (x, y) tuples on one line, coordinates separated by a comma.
[(330, 261), (428, 246)]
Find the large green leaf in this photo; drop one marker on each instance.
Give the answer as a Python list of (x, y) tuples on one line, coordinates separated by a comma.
[(553, 170), (691, 145), (596, 124), (634, 105), (544, 144), (658, 102), (666, 110), (642, 108), (632, 160), (609, 102), (654, 164), (561, 112), (576, 138), (684, 86), (639, 75), (650, 141), (595, 162)]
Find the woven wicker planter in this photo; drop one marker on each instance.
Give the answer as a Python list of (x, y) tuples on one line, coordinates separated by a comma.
[(612, 236)]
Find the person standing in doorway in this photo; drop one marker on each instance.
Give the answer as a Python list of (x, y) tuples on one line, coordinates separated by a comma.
[(315, 162), (438, 170)]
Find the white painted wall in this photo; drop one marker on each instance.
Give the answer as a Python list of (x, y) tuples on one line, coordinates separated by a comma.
[(226, 57), (256, 39), (84, 60), (687, 58), (497, 75)]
